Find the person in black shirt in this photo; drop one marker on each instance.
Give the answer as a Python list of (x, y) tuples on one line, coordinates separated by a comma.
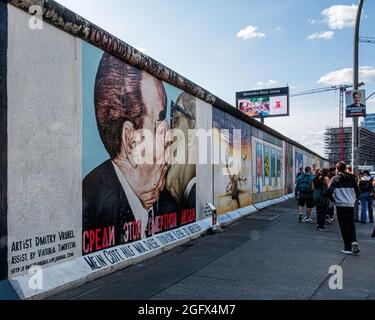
[(320, 185), (300, 173), (330, 205), (367, 194)]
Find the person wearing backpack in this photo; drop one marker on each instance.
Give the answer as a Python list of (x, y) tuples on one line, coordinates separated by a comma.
[(366, 197), (305, 195), (320, 186)]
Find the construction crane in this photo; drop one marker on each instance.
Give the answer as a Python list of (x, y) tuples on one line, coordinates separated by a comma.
[(342, 89), (367, 39)]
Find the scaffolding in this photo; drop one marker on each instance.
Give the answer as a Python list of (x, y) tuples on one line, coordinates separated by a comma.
[(338, 145)]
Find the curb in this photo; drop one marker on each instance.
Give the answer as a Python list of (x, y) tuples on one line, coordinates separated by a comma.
[(75, 273)]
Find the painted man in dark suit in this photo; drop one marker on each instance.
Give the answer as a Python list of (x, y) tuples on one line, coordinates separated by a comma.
[(122, 197)]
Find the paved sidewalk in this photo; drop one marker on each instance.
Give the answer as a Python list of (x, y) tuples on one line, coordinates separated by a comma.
[(267, 256)]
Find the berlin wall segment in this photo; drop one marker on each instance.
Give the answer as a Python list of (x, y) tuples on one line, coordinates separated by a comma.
[(120, 222), (3, 141)]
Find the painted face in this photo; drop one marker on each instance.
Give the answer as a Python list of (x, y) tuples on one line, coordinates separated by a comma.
[(357, 99), (148, 180), (155, 120), (155, 102)]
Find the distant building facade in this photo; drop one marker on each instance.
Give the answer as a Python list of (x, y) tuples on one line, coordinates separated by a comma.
[(369, 122), (338, 145)]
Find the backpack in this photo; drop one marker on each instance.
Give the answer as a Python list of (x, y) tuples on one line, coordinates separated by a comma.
[(366, 186), (304, 185)]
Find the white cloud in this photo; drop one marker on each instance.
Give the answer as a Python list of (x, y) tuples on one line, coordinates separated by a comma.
[(312, 21), (278, 29), (250, 32), (143, 50), (314, 140), (266, 84), (326, 35), (345, 76), (340, 16)]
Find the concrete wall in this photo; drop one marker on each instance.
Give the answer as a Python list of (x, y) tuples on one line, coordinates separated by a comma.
[(3, 141), (44, 143), (55, 149), (205, 191)]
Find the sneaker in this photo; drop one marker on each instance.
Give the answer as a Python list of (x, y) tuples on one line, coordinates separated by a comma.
[(329, 221), (322, 229), (309, 220), (300, 219), (355, 248), (349, 253)]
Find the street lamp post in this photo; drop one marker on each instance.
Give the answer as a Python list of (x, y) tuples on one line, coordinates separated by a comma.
[(356, 86)]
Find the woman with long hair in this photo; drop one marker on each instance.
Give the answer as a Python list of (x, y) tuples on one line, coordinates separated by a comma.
[(331, 205), (320, 186)]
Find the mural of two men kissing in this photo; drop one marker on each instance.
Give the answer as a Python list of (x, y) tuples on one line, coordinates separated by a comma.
[(124, 200)]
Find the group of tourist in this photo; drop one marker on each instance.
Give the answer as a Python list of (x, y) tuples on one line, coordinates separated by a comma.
[(337, 187)]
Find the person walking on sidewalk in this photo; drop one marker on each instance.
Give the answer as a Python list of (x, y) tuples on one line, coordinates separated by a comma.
[(330, 204), (345, 191), (366, 198), (305, 195), (349, 171), (300, 173), (320, 187)]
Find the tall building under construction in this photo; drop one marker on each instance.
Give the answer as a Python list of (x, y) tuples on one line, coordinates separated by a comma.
[(338, 145)]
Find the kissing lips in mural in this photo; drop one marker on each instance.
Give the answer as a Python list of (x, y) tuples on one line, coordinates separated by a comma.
[(122, 197)]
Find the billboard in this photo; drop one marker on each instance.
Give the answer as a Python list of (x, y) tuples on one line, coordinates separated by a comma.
[(264, 103), (355, 103)]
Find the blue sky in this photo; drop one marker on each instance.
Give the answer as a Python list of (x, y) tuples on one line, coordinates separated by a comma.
[(295, 42)]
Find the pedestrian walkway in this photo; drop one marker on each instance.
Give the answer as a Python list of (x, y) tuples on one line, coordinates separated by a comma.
[(268, 256)]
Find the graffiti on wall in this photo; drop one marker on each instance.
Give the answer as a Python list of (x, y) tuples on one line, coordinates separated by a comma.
[(232, 189), (268, 176), (299, 163), (41, 250), (315, 165), (289, 168), (125, 199)]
